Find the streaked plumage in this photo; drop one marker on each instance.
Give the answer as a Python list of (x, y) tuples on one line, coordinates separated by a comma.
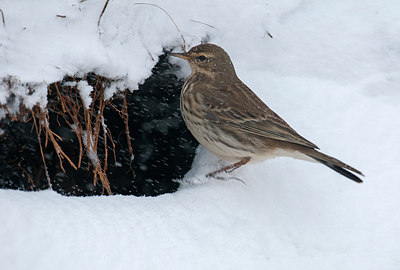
[(232, 122)]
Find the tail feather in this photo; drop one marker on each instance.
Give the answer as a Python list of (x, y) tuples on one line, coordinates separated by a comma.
[(336, 165)]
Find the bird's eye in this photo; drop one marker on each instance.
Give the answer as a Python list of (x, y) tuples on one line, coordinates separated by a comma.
[(202, 58)]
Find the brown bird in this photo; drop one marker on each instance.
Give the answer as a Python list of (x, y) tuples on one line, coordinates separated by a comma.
[(233, 123)]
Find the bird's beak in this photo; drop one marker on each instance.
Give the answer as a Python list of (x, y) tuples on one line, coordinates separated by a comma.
[(181, 55)]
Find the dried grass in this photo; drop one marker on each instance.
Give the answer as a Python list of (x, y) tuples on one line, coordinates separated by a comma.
[(88, 124)]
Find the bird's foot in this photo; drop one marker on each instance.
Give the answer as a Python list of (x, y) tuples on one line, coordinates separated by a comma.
[(222, 178), (229, 169)]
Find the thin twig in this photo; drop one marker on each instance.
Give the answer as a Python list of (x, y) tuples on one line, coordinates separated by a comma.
[(128, 136), (76, 129), (103, 178), (112, 142), (105, 143), (115, 108), (209, 25), (25, 171), (38, 131), (62, 101), (2, 17), (93, 134), (9, 114), (268, 34), (154, 5), (52, 135), (102, 12)]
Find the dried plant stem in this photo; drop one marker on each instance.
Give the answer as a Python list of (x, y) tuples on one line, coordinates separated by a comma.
[(2, 17), (87, 123), (176, 26), (13, 117), (27, 175), (92, 134), (125, 116), (44, 118), (62, 101), (73, 113), (38, 132), (102, 12), (209, 25), (103, 125)]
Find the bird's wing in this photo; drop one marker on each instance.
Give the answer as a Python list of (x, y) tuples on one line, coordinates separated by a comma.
[(241, 109)]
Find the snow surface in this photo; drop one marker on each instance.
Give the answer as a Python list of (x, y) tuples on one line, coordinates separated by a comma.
[(332, 70)]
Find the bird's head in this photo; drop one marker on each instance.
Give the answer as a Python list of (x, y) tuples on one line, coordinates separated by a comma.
[(209, 59)]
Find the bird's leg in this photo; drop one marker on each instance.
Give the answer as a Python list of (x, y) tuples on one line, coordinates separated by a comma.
[(229, 168)]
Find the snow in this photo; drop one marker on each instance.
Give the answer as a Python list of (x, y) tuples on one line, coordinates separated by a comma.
[(85, 90), (331, 71)]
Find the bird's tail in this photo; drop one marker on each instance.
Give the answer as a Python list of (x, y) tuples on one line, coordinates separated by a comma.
[(335, 164)]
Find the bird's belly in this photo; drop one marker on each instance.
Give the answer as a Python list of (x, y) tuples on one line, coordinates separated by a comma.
[(224, 145), (218, 143)]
